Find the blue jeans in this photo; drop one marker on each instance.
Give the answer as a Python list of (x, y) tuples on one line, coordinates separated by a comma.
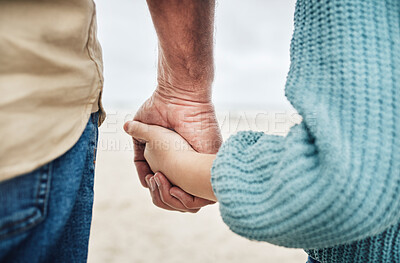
[(45, 215)]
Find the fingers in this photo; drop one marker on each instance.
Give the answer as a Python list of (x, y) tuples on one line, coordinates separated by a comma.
[(189, 201), (142, 167), (154, 193), (164, 187), (164, 195), (138, 130), (159, 190)]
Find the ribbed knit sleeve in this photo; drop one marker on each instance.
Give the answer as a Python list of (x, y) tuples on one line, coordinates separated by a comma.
[(335, 178)]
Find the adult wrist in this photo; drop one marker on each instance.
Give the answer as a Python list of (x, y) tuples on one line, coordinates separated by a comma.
[(192, 94), (181, 77)]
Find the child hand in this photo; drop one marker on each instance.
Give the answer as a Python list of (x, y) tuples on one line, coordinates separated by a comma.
[(164, 148), (167, 152)]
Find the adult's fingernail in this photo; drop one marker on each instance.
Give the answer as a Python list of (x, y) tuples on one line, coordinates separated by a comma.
[(157, 180), (152, 184)]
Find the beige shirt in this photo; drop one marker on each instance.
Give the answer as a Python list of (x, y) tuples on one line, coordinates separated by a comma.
[(50, 79)]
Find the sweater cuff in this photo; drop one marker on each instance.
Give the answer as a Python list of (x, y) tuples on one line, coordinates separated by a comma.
[(265, 190), (242, 170)]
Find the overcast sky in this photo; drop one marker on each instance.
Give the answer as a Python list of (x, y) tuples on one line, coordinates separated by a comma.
[(251, 52)]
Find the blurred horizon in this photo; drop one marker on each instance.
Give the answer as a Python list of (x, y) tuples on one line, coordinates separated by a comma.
[(252, 41)]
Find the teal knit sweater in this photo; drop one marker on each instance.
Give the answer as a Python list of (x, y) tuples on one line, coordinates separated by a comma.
[(332, 185)]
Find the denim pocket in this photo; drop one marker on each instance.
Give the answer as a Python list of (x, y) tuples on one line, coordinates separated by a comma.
[(23, 201)]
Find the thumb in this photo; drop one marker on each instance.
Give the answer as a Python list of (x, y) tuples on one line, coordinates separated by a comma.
[(138, 130)]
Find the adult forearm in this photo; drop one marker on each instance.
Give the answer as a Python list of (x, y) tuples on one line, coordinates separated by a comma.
[(185, 31)]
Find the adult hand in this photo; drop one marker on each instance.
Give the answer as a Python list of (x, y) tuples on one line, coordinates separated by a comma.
[(182, 100), (195, 121)]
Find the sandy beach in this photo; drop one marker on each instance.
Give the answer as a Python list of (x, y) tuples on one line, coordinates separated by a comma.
[(128, 228)]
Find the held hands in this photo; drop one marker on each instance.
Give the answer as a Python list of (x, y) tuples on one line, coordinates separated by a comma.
[(167, 152), (164, 149), (182, 100), (195, 121)]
